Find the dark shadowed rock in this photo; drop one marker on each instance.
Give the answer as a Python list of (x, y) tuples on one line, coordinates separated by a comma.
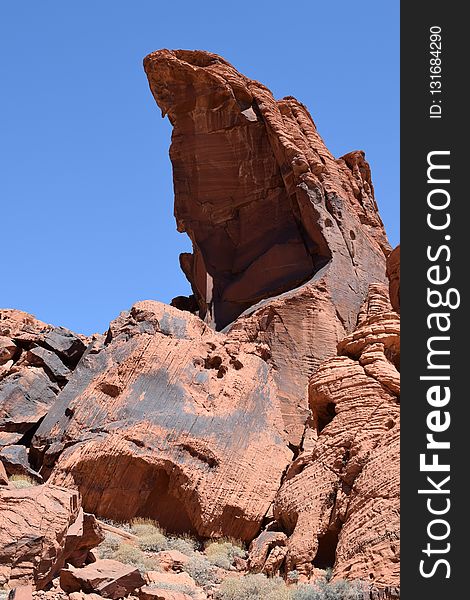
[(15, 460)]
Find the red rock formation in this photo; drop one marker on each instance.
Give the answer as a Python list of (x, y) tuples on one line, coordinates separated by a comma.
[(36, 361), (41, 528), (267, 208), (339, 502), (171, 420), (393, 274), (108, 578)]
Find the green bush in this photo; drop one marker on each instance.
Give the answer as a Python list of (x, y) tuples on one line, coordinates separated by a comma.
[(222, 553), (201, 570), (338, 590), (253, 587)]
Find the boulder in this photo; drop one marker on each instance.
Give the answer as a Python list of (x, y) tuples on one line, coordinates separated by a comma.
[(34, 534), (3, 475), (36, 360), (171, 560), (15, 460), (108, 578), (155, 593), (170, 421)]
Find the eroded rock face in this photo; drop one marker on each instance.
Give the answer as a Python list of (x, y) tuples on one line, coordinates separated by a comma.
[(271, 215), (339, 502), (36, 361), (171, 420), (393, 274), (264, 202), (41, 528)]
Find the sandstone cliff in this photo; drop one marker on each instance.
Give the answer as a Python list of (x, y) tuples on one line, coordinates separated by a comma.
[(265, 407)]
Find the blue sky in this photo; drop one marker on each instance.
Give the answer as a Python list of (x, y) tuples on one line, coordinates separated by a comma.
[(86, 197)]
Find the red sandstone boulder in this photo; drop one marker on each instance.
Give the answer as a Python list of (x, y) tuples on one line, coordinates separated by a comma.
[(38, 534), (108, 578), (169, 420)]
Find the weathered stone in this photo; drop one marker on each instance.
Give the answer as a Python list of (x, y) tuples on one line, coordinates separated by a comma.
[(67, 345), (393, 273), (15, 460), (34, 525), (261, 548), (7, 349), (339, 502), (170, 420), (51, 363), (108, 578), (153, 593), (24, 592), (171, 560), (3, 475), (31, 371), (239, 155), (25, 398)]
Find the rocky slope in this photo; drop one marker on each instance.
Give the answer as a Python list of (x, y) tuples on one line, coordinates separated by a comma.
[(270, 414)]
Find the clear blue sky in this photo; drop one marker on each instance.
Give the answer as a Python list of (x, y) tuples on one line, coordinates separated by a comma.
[(86, 193)]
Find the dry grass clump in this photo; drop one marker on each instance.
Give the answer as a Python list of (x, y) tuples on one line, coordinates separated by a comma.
[(22, 481), (222, 553)]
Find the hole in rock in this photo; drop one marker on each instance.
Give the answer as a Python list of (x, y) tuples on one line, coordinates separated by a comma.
[(328, 223), (326, 553), (324, 414), (352, 235), (213, 362)]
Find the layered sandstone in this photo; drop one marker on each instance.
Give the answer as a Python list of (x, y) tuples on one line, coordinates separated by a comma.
[(36, 361), (168, 419), (339, 502), (270, 213), (393, 274), (42, 528)]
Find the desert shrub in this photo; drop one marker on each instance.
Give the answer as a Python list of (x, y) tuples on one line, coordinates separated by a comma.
[(154, 542), (131, 555), (184, 544), (293, 576), (201, 570), (338, 590), (222, 553), (22, 481), (109, 546), (143, 527), (253, 587)]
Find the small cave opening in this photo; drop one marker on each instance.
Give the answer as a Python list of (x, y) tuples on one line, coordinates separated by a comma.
[(324, 414), (326, 553)]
